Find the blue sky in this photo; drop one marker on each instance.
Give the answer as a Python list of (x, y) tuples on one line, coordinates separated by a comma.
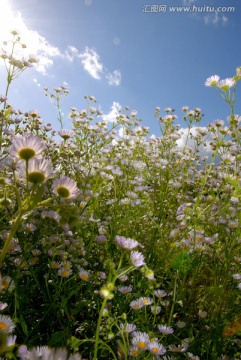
[(124, 55)]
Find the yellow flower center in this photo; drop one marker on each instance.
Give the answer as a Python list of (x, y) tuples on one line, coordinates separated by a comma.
[(141, 344), (63, 191), (134, 352), (26, 153), (36, 177), (55, 266), (84, 276), (136, 306), (3, 327), (154, 350), (145, 302), (67, 266), (65, 273)]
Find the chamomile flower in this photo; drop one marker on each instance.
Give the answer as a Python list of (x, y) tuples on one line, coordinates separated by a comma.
[(55, 265), (136, 304), (126, 243), (6, 324), (141, 340), (134, 351), (212, 80), (66, 134), (64, 272), (137, 259), (65, 187), (164, 329), (128, 327), (125, 289), (26, 147), (146, 301), (83, 274), (38, 170), (226, 84), (156, 349), (160, 293)]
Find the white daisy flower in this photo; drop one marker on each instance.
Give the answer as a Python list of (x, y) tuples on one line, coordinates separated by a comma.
[(164, 329), (6, 324), (65, 187), (226, 84), (212, 80), (37, 172), (26, 147), (137, 259)]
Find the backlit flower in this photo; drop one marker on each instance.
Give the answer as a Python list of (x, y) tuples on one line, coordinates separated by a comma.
[(226, 84), (26, 147), (38, 170), (65, 187), (212, 80), (66, 134)]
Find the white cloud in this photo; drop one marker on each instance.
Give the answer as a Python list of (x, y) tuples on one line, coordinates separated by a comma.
[(211, 18), (114, 78), (91, 62), (188, 141), (71, 52), (39, 47), (113, 113), (215, 18)]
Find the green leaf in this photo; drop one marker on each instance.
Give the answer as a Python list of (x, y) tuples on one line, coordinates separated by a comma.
[(23, 325)]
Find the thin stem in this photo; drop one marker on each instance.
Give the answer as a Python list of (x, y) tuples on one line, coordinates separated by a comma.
[(10, 236), (173, 301), (97, 334)]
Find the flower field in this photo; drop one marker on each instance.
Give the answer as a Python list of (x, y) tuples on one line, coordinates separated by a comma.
[(117, 244)]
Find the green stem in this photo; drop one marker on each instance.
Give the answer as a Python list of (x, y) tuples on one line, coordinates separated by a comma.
[(97, 334), (10, 236), (173, 301)]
